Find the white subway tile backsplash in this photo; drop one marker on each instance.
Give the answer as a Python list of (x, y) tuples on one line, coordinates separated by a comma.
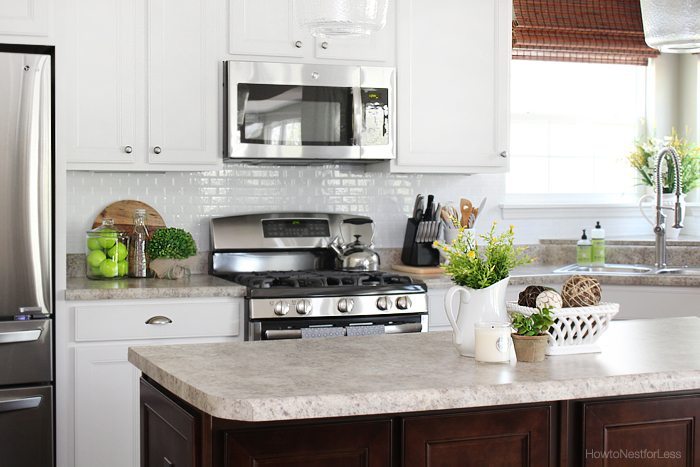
[(189, 199)]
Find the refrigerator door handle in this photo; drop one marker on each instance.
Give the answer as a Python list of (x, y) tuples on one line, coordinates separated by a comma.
[(20, 336), (35, 146), (10, 405)]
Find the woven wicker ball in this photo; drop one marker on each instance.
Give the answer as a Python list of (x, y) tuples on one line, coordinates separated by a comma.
[(528, 296), (581, 291), (550, 299)]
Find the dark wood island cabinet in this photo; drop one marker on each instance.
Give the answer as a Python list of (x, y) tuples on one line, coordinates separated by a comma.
[(645, 430)]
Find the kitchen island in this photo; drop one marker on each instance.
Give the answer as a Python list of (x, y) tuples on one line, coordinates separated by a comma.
[(412, 400)]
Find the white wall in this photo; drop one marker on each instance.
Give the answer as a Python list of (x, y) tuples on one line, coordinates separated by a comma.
[(188, 200)]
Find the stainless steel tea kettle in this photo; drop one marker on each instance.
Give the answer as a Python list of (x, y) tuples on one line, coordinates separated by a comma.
[(355, 256)]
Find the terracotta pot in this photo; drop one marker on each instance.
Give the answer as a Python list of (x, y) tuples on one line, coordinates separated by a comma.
[(529, 348)]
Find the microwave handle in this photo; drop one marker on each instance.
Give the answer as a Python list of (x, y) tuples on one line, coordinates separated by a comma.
[(358, 116)]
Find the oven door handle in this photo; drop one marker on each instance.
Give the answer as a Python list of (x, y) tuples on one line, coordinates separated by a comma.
[(403, 328), (276, 334)]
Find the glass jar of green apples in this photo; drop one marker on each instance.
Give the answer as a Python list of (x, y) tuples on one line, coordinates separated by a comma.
[(107, 252)]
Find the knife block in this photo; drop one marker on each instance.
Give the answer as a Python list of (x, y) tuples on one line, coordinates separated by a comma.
[(417, 254)]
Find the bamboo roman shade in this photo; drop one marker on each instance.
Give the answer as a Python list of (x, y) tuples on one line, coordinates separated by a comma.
[(593, 31)]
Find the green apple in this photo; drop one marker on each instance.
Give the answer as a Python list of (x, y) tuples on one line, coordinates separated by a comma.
[(93, 244), (108, 238), (117, 252), (96, 257), (95, 271), (109, 268), (122, 268)]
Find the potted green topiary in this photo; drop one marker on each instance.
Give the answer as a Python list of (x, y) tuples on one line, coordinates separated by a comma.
[(171, 251), (530, 336)]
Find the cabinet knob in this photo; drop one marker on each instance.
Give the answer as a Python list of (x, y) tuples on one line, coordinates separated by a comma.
[(324, 45), (128, 149), (504, 154), (159, 320), (298, 44), (157, 150)]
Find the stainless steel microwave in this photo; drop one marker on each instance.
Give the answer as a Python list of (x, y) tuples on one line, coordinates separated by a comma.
[(287, 112)]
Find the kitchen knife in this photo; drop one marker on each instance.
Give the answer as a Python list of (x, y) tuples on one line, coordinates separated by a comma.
[(418, 208), (428, 214)]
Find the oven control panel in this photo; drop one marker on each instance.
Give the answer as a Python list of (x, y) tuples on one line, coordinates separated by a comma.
[(275, 308)]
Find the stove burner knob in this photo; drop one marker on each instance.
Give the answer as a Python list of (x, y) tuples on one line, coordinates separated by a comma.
[(403, 303), (345, 305), (303, 307), (384, 303), (281, 308)]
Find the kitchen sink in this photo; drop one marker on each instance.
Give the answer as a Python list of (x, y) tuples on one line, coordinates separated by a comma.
[(622, 269), (679, 271), (627, 270)]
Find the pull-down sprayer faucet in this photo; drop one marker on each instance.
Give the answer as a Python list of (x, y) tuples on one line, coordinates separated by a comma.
[(660, 228)]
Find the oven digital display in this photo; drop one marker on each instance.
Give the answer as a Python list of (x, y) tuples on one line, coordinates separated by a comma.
[(295, 228)]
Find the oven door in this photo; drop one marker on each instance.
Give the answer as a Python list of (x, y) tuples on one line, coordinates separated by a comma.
[(290, 111), (336, 327)]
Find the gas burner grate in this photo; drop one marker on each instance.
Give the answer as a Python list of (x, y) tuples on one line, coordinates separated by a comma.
[(316, 279)]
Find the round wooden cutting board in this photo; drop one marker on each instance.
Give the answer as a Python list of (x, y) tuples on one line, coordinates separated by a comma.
[(123, 214)]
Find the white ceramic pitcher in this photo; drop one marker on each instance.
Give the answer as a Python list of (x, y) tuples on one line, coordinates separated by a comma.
[(475, 305), (668, 200)]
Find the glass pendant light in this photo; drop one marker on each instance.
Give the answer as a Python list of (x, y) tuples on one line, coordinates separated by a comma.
[(338, 18), (672, 26)]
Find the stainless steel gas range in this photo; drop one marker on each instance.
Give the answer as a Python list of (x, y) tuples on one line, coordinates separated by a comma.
[(292, 288)]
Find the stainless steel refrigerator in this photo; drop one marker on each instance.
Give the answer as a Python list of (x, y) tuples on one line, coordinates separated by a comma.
[(26, 239)]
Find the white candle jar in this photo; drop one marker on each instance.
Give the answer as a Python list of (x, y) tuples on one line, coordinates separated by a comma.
[(492, 342)]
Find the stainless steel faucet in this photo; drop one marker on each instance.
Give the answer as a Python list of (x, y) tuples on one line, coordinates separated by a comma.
[(660, 227)]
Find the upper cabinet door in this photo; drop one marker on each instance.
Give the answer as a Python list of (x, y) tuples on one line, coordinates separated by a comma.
[(24, 17), (182, 83), (98, 72), (266, 28), (453, 65), (377, 47)]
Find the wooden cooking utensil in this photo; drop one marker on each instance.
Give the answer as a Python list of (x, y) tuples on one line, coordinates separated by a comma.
[(123, 214), (466, 208)]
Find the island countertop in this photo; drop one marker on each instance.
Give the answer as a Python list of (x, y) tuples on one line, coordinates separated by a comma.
[(341, 377)]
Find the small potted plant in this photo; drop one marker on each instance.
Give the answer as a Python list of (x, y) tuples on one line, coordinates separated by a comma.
[(170, 251), (530, 336)]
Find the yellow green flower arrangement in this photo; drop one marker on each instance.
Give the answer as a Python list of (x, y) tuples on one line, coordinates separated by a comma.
[(478, 265), (643, 159)]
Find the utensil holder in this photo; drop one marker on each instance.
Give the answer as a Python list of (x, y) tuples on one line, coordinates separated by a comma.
[(417, 254)]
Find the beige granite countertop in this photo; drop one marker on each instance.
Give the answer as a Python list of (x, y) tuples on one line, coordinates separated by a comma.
[(541, 274), (338, 377), (197, 285)]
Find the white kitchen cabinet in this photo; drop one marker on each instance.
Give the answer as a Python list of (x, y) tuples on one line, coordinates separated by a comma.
[(97, 388), (22, 20), (437, 318), (271, 29), (453, 66), (140, 85), (268, 28)]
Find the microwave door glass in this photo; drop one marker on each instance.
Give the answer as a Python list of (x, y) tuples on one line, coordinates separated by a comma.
[(295, 115)]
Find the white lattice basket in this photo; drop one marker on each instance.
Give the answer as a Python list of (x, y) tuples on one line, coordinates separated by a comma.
[(575, 330)]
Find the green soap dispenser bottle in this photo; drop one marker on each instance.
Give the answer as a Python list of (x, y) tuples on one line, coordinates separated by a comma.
[(584, 251), (598, 246)]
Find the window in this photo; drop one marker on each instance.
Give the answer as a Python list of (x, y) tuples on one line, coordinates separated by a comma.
[(572, 126)]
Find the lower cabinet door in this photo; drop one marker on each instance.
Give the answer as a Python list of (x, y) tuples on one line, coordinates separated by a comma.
[(494, 438), (167, 431), (323, 445), (659, 431), (106, 407)]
